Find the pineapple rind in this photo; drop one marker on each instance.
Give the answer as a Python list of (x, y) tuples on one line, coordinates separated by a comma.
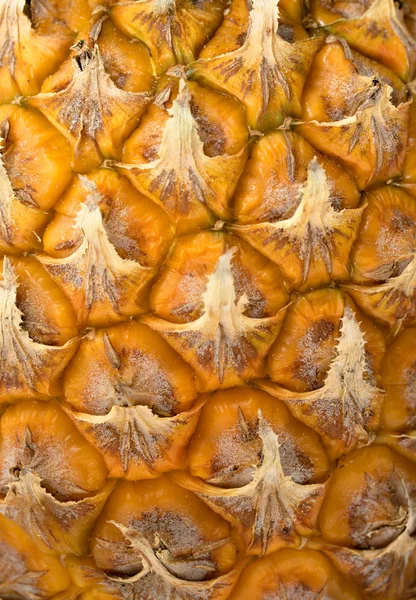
[(263, 134)]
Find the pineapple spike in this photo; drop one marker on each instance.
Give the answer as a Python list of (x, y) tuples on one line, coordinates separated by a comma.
[(223, 331), (376, 568), (315, 232), (91, 111), (135, 441), (261, 73), (183, 179), (16, 236), (392, 302), (271, 508), (95, 270), (349, 402)]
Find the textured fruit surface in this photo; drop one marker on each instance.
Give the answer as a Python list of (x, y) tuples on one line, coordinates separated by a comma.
[(207, 300)]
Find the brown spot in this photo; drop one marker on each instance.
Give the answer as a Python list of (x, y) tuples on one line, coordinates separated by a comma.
[(308, 367), (400, 222), (245, 283), (120, 80), (335, 114), (198, 4), (321, 410), (296, 464), (286, 32), (241, 38), (66, 245), (27, 10), (151, 153), (374, 31), (321, 330), (61, 86), (81, 510), (210, 133)]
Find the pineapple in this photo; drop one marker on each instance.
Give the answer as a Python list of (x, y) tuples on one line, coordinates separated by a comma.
[(207, 300)]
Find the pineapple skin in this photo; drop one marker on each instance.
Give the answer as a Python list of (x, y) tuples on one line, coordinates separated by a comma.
[(207, 300)]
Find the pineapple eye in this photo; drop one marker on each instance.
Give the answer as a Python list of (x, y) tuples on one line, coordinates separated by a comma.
[(185, 547)]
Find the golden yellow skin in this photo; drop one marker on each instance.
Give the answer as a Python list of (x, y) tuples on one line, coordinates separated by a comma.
[(43, 144), (286, 183), (94, 99), (174, 38), (135, 372), (186, 293), (48, 315), (398, 373), (268, 188), (175, 523), (375, 29), (61, 15), (409, 164), (30, 568), (127, 62), (162, 495), (335, 520), (86, 467), (207, 300), (145, 232), (30, 52), (48, 335), (249, 55), (252, 429), (385, 242), (135, 229), (290, 572), (221, 416), (369, 533), (129, 341), (53, 482)]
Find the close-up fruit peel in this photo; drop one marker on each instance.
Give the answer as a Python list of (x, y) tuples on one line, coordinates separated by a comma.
[(207, 300)]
